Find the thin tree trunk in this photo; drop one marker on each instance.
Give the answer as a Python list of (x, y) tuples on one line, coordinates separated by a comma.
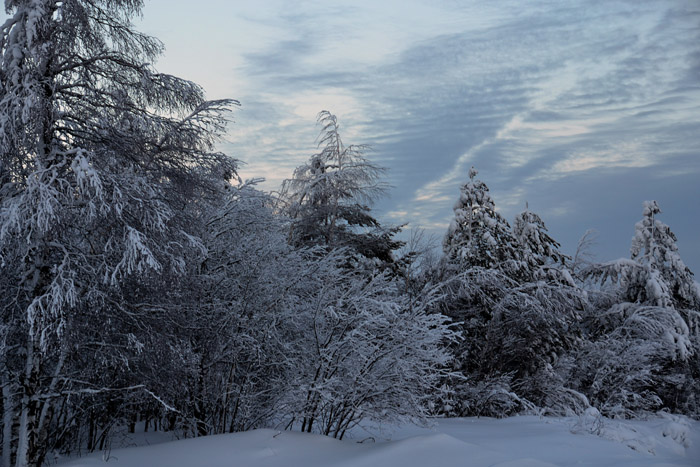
[(91, 441), (235, 414), (26, 446), (8, 405)]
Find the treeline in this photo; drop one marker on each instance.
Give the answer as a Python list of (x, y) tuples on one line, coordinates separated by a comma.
[(141, 280), (545, 332)]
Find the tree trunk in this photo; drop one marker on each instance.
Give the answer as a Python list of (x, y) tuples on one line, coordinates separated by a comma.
[(27, 446), (8, 405)]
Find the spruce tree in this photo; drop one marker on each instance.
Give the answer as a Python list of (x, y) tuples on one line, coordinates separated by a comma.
[(517, 306), (648, 327), (478, 235), (541, 257), (669, 281)]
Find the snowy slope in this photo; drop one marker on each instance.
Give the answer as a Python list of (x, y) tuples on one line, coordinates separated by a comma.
[(519, 441)]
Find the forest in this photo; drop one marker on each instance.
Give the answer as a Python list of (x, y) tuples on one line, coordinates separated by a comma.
[(142, 280)]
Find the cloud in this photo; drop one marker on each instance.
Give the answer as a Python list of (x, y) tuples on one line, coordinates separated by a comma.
[(562, 104)]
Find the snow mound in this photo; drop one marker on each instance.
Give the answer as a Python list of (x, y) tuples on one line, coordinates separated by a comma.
[(669, 432), (527, 441), (678, 429), (439, 450)]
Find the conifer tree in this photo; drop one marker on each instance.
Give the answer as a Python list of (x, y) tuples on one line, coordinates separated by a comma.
[(517, 307), (478, 235), (669, 281), (655, 273), (331, 197), (649, 329), (541, 257)]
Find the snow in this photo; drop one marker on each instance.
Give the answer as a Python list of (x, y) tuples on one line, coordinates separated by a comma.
[(528, 441)]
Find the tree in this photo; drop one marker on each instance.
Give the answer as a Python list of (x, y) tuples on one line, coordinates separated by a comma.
[(330, 198), (649, 323), (540, 252), (302, 341), (633, 361), (363, 351), (517, 305), (478, 235), (249, 287), (655, 274), (99, 154), (513, 337), (669, 281)]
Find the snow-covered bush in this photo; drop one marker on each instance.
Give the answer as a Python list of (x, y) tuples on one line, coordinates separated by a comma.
[(302, 340), (364, 352)]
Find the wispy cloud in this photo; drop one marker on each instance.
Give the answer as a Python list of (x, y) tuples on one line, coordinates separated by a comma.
[(562, 104)]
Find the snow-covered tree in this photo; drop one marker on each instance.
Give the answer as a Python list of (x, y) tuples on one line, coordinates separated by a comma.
[(99, 154), (655, 274), (248, 289), (513, 336), (651, 321), (669, 280), (634, 360), (540, 253), (479, 236), (517, 305), (302, 341), (331, 197)]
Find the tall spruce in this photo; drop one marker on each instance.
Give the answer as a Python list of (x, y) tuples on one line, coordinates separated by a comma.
[(541, 257), (518, 308), (479, 236), (646, 328)]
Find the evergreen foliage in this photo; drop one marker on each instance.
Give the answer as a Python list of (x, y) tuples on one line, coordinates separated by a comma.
[(647, 330), (330, 198), (478, 235), (518, 307), (540, 252)]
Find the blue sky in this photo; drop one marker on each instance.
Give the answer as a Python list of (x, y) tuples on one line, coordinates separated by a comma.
[(584, 109)]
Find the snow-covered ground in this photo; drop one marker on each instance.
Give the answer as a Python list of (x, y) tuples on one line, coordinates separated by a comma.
[(528, 441)]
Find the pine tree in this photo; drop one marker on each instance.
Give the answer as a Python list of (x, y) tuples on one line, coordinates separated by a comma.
[(478, 235), (669, 281), (655, 274), (541, 257), (517, 305), (99, 154), (653, 325)]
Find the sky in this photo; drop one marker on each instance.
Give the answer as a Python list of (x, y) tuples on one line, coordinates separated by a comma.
[(582, 109)]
